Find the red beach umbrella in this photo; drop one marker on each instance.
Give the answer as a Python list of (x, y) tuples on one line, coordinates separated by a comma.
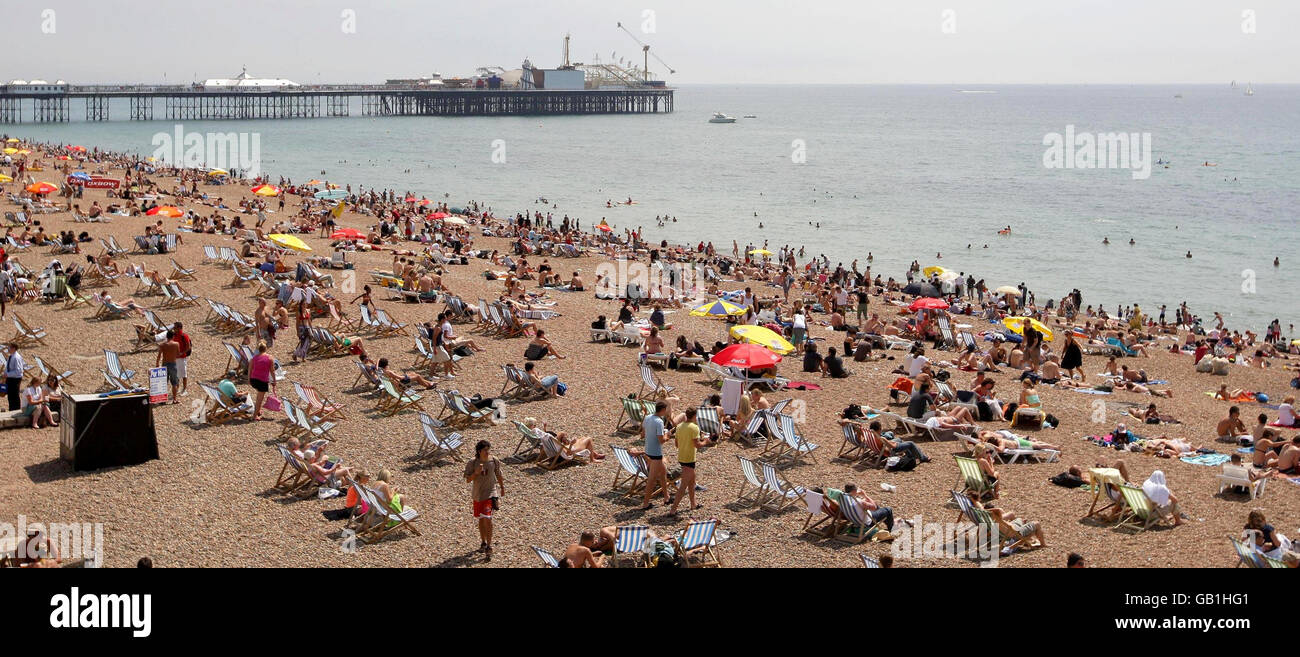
[(347, 234), (438, 215), (928, 303), (42, 188), (746, 356)]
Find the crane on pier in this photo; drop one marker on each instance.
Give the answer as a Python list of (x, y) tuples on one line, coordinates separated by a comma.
[(645, 51)]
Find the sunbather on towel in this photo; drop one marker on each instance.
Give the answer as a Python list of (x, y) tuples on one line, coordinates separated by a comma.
[(1165, 447), (1138, 387)]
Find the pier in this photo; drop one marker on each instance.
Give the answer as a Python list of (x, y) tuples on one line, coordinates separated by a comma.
[(185, 102)]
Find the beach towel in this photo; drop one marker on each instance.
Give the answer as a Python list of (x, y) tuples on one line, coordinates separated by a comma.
[(1239, 399), (802, 385), (1090, 391), (1206, 459), (1245, 450)]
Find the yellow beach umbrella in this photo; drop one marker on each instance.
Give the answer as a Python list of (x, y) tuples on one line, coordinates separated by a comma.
[(12, 140), (218, 172), (718, 308), (289, 242), (932, 270), (5, 179), (10, 150), (1017, 326), (24, 151), (763, 337), (762, 252)]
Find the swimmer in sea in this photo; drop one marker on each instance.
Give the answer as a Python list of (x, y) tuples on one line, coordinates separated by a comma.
[(1131, 242), (760, 224), (1105, 240), (1189, 254), (1275, 262)]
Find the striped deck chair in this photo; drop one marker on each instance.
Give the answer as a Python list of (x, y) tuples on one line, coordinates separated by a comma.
[(113, 367), (751, 434), (548, 559), (528, 443), (553, 456), (635, 411), (651, 386), (1247, 556), (466, 414), (210, 254), (785, 440), (46, 369), (517, 383), (630, 478), (291, 472), (27, 334), (1138, 512), (629, 542), (971, 477), (869, 562), (819, 514), (696, 544), (393, 401), (852, 449), (752, 487), (432, 447), (313, 427), (780, 492), (385, 519), (984, 524), (389, 326), (179, 297), (858, 525), (367, 319), (220, 411), (181, 273), (321, 405), (710, 426), (74, 299)]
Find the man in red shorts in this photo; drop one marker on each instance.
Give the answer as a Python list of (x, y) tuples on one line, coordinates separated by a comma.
[(483, 472)]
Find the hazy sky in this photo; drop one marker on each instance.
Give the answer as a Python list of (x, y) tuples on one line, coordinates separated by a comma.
[(706, 41)]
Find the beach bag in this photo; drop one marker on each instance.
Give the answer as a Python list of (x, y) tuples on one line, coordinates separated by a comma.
[(662, 555), (1204, 366), (1220, 366), (272, 403), (560, 389), (1067, 480), (534, 352)]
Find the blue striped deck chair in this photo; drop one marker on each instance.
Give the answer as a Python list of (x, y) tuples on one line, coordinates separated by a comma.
[(547, 558), (750, 433), (852, 449), (433, 447), (707, 418), (629, 542), (779, 407), (696, 544), (798, 446), (775, 447), (869, 562), (113, 364), (630, 478), (858, 525), (752, 488), (651, 386), (780, 492)]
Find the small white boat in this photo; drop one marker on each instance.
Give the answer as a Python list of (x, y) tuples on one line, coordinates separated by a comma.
[(719, 117), (751, 116), (1250, 89)]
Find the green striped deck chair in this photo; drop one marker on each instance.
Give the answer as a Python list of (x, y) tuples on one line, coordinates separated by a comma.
[(634, 412), (1139, 512), (972, 477)]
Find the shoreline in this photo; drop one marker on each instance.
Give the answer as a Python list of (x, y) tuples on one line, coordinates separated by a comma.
[(548, 508)]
